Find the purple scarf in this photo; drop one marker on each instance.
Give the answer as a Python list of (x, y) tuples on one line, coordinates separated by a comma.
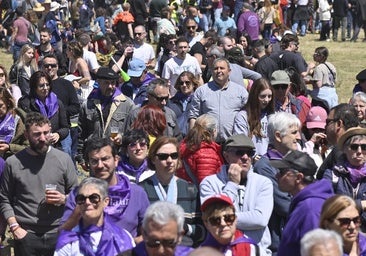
[(273, 154), (113, 239), (212, 242), (105, 101), (140, 250), (129, 169), (356, 174), (119, 197), (50, 108), (7, 128)]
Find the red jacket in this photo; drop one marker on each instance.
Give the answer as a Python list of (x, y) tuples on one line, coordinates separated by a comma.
[(203, 162)]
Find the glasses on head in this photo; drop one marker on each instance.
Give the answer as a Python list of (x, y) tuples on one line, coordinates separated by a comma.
[(328, 121), (241, 152), (191, 27), (50, 65), (45, 85), (94, 161), (165, 156), (170, 243), (187, 83), (133, 145), (355, 146), (216, 220), (93, 198), (345, 222), (2, 74), (160, 99), (280, 86)]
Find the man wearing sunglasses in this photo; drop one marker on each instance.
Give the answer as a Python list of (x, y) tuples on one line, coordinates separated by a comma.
[(296, 177), (251, 193), (218, 214)]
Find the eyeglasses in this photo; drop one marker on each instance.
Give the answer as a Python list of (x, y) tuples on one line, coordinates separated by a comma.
[(165, 156), (187, 83), (328, 121), (95, 162), (133, 145), (216, 220), (45, 85), (191, 27), (355, 147), (2, 74), (280, 86), (160, 99), (50, 65), (170, 243), (241, 152), (138, 34), (345, 222), (93, 198)]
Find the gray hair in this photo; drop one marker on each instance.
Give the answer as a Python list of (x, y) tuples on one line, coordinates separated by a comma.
[(220, 60), (161, 212), (217, 51), (99, 184), (320, 237), (207, 121), (155, 83), (352, 139), (358, 95), (281, 122)]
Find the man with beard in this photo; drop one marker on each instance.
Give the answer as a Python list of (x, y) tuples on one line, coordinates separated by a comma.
[(33, 190)]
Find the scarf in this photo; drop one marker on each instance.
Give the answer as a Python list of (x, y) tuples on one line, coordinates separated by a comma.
[(129, 169), (172, 193), (356, 174), (96, 94), (112, 241), (240, 246), (119, 197), (7, 128), (50, 107), (273, 154)]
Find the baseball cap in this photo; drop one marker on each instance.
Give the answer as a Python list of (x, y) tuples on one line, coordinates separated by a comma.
[(298, 161), (106, 74), (238, 140), (316, 118), (136, 67), (280, 77), (216, 198)]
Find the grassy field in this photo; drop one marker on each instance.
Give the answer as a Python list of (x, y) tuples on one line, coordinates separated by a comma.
[(348, 58)]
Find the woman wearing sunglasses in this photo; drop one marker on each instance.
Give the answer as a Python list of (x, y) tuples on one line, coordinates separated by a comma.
[(349, 174), (165, 186), (95, 234), (341, 214), (134, 149)]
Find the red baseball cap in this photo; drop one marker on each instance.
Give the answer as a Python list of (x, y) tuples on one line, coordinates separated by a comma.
[(216, 198)]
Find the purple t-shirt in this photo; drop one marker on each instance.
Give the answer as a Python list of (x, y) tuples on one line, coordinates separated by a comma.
[(22, 24)]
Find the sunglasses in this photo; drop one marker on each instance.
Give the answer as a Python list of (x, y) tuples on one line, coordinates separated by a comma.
[(50, 65), (93, 198), (138, 34), (133, 145), (355, 147), (241, 152), (216, 220), (345, 222), (165, 156), (45, 85), (191, 27), (2, 74), (170, 243), (280, 86), (187, 83), (160, 99)]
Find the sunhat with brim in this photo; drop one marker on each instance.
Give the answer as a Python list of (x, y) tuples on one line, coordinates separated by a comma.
[(54, 6), (350, 133), (47, 2), (38, 7)]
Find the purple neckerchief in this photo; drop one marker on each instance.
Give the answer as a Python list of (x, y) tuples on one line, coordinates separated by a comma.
[(212, 242), (7, 128), (50, 108), (112, 241), (97, 94), (356, 174), (140, 250), (129, 169), (273, 154), (119, 197)]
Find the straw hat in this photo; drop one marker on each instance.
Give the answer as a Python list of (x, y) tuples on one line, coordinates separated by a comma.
[(350, 133), (47, 2), (38, 7)]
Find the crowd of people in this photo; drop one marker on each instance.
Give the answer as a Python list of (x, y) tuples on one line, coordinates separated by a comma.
[(202, 128)]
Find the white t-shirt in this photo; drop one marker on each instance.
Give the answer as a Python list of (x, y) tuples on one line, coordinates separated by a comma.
[(144, 52), (91, 60)]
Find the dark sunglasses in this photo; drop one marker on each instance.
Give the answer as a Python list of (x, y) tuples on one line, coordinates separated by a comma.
[(138, 34), (355, 146), (171, 243), (133, 145), (49, 65), (165, 156), (280, 86), (93, 198), (345, 222), (160, 99), (216, 220), (241, 152), (188, 83), (191, 27)]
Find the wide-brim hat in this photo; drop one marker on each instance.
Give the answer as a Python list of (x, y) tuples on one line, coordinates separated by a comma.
[(47, 2), (38, 7), (350, 133), (54, 6)]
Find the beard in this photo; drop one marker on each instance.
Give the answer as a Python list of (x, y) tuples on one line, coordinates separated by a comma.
[(40, 149)]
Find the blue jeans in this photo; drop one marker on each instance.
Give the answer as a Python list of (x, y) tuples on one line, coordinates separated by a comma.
[(66, 145), (302, 24)]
